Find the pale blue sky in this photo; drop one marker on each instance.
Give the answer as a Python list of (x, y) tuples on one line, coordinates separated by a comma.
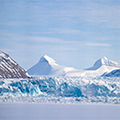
[(73, 32)]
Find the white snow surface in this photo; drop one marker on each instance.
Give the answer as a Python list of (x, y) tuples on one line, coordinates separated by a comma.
[(29, 111), (5, 56), (46, 58), (100, 71), (48, 66), (104, 61)]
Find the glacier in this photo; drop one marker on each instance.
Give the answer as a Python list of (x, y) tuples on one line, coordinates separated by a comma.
[(61, 90)]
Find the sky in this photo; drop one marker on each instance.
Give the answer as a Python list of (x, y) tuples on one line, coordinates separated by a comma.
[(74, 33)]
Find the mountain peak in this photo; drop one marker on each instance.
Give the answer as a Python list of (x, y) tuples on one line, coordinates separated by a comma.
[(48, 66), (104, 58), (9, 68), (47, 59), (2, 54), (103, 61)]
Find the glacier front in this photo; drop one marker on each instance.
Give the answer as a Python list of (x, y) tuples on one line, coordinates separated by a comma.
[(61, 90)]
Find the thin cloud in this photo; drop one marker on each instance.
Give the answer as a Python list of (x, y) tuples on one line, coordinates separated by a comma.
[(16, 23), (94, 12), (91, 12), (42, 39), (98, 44), (66, 31)]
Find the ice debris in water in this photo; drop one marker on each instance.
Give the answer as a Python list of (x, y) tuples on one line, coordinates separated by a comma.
[(61, 89)]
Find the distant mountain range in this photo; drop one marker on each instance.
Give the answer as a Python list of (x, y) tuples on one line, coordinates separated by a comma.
[(47, 66), (9, 68)]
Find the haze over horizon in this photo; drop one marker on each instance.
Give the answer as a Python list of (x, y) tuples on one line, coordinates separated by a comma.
[(74, 33)]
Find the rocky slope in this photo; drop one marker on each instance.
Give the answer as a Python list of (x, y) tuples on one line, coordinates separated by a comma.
[(9, 68)]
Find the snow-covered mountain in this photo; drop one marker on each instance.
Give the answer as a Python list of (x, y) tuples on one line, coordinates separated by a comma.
[(114, 73), (103, 61), (9, 68), (101, 66), (48, 66)]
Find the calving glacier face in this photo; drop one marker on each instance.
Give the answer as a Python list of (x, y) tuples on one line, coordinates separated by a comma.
[(39, 87), (80, 89)]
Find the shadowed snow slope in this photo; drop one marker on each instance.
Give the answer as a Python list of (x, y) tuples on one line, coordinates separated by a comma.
[(114, 73), (9, 68), (48, 66)]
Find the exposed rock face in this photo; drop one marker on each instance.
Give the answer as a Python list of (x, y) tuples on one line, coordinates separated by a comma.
[(9, 68)]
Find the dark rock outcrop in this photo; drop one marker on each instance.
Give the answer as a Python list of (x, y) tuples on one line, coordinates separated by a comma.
[(10, 69)]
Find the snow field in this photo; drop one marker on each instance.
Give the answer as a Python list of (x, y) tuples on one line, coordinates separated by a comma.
[(28, 111)]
